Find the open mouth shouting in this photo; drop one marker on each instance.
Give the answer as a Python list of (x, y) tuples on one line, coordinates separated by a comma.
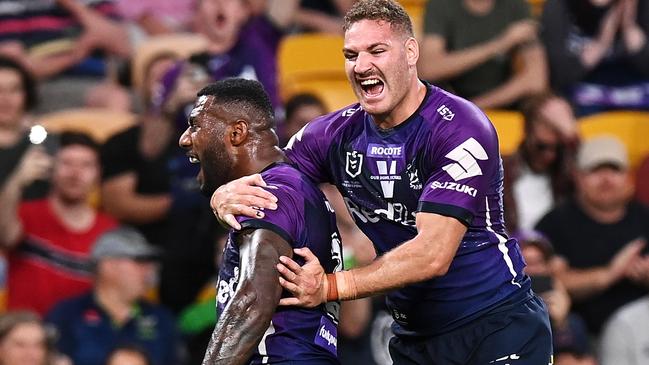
[(372, 87)]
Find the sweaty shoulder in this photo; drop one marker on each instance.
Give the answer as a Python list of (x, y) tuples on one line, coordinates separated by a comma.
[(308, 148)]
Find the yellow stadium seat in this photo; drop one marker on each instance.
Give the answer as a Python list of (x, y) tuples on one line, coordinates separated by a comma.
[(537, 7), (510, 128), (631, 127), (98, 123), (314, 63), (416, 10)]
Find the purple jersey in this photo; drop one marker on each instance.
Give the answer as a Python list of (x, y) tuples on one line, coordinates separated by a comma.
[(444, 159), (304, 219)]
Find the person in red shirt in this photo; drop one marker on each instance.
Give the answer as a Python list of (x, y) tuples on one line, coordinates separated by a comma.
[(49, 240)]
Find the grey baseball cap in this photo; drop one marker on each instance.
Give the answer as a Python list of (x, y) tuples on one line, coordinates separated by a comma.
[(124, 242), (602, 150)]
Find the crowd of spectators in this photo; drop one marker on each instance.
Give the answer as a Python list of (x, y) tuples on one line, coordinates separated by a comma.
[(107, 248)]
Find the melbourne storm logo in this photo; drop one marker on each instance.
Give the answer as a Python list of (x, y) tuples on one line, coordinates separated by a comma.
[(353, 163)]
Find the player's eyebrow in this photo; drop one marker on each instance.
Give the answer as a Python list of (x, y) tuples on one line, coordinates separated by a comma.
[(370, 47)]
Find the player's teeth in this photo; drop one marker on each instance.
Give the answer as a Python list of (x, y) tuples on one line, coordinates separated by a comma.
[(369, 82)]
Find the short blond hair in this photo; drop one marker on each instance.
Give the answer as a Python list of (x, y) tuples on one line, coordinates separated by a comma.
[(386, 10)]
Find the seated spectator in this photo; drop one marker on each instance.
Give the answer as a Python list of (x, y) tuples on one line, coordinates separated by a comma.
[(601, 234), (598, 52), (539, 174), (625, 340), (24, 341), (570, 337), (483, 50), (17, 98), (128, 355), (49, 239), (300, 110), (114, 313), (243, 43), (148, 182), (67, 42)]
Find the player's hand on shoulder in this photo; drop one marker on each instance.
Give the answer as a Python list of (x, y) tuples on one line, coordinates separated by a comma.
[(244, 196), (307, 283)]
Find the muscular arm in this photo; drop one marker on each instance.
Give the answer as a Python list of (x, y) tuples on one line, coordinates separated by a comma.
[(530, 78), (248, 315), (10, 226), (121, 200), (427, 255)]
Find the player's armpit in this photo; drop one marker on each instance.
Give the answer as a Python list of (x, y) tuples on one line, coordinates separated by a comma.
[(250, 310)]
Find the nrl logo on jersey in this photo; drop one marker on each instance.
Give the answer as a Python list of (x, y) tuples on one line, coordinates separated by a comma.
[(413, 177), (353, 163)]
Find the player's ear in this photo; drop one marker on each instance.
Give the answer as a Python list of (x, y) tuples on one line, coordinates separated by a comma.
[(412, 51), (238, 132)]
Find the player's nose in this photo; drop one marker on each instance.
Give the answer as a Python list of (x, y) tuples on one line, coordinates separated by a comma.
[(184, 141)]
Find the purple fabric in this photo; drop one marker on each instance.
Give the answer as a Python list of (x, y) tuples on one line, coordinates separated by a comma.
[(444, 160), (303, 220)]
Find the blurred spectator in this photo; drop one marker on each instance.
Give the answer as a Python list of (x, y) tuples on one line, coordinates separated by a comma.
[(17, 98), (152, 17), (128, 355), (242, 42), (570, 337), (625, 340), (24, 341), (324, 16), (149, 182), (539, 174), (49, 239), (483, 50), (601, 234), (300, 110), (642, 177), (114, 313), (598, 52), (70, 37)]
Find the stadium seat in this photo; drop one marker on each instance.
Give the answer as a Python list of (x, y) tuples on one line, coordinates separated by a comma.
[(314, 63), (537, 7), (509, 125), (631, 127), (98, 123), (416, 10), (182, 45)]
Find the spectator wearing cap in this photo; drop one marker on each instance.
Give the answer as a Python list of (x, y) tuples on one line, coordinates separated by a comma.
[(601, 234), (570, 340), (114, 313)]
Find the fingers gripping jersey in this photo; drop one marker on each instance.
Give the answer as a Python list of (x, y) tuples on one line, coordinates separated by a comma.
[(303, 219), (444, 159)]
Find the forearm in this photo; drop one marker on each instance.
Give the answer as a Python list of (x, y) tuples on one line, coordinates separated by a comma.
[(434, 67), (10, 225), (282, 12), (238, 330), (427, 255), (136, 208), (532, 78), (354, 317), (582, 284), (314, 20), (49, 66)]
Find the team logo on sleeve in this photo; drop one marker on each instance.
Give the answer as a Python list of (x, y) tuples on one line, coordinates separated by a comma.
[(353, 163), (466, 157)]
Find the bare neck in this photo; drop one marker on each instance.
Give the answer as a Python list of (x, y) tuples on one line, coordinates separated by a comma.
[(406, 108), (607, 215), (9, 135), (118, 307), (256, 158), (77, 216)]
